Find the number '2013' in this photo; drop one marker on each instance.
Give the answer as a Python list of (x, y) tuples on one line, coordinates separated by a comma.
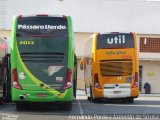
[(26, 42)]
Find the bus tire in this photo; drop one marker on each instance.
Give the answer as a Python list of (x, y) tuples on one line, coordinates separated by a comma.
[(75, 79), (124, 100), (67, 107), (92, 99), (74, 88), (91, 95), (1, 100), (130, 100), (89, 98), (20, 106), (4, 92)]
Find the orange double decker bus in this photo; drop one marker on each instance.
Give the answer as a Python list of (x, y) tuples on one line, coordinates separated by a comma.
[(110, 67)]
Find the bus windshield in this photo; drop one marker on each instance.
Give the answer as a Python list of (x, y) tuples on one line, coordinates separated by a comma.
[(42, 25), (35, 36), (43, 46)]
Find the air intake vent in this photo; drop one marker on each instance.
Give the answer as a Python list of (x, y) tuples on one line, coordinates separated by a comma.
[(42, 57)]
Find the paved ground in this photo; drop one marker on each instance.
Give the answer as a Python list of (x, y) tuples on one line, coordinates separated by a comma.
[(142, 105)]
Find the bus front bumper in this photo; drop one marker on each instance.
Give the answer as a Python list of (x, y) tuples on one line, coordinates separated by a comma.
[(116, 93), (119, 93), (41, 96)]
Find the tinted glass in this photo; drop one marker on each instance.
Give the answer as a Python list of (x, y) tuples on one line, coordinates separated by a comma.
[(43, 46), (42, 34), (42, 25)]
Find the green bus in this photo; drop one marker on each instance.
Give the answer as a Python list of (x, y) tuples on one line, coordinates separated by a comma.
[(43, 62)]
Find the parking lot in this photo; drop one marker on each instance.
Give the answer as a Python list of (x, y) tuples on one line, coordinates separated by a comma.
[(143, 106)]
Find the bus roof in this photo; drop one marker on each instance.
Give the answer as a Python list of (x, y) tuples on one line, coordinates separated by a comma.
[(116, 33), (41, 15)]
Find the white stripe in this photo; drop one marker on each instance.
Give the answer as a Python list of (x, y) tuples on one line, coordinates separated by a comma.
[(80, 107), (133, 105)]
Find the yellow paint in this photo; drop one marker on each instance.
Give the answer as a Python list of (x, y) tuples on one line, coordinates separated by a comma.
[(150, 74), (110, 54)]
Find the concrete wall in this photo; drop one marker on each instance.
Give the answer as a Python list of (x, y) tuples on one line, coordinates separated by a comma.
[(5, 33), (93, 15), (151, 74), (80, 77), (79, 42)]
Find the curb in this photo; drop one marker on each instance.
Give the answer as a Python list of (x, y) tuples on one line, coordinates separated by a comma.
[(149, 95)]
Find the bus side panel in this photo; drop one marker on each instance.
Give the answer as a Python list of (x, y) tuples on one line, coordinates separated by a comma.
[(53, 96), (13, 44), (13, 51), (71, 45), (98, 93), (135, 91), (71, 51)]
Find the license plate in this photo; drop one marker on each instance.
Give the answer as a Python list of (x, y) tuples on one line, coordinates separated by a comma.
[(42, 94), (117, 92)]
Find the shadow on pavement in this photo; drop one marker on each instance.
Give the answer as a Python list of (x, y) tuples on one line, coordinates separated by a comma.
[(36, 109), (120, 101)]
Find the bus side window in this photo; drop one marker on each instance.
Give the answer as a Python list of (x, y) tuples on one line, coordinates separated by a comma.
[(83, 64)]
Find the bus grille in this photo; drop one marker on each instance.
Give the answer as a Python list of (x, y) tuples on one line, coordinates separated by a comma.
[(59, 57), (116, 67)]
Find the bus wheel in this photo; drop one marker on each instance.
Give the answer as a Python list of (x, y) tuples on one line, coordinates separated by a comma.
[(74, 88), (20, 106), (69, 107), (1, 100), (92, 99), (124, 100), (91, 95), (66, 106), (89, 98), (130, 100)]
